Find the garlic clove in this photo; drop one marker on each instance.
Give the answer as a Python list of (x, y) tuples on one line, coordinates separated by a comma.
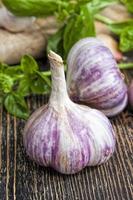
[(13, 23), (64, 135), (93, 77), (117, 12)]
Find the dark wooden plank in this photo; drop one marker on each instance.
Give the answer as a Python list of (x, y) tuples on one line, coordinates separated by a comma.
[(24, 180)]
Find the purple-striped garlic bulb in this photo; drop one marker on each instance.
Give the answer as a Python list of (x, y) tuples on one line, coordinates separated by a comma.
[(94, 78), (64, 135)]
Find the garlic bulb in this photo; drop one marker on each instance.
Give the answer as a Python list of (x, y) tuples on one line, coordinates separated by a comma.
[(14, 23), (64, 135), (94, 78)]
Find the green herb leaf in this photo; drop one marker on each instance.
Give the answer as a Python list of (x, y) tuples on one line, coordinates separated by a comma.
[(6, 83), (13, 70), (129, 4), (3, 67), (16, 105), (78, 27), (40, 84), (126, 65), (126, 39), (44, 78), (24, 86), (17, 82), (55, 42), (68, 39), (97, 5), (38, 87), (118, 28), (29, 65), (34, 7), (123, 29)]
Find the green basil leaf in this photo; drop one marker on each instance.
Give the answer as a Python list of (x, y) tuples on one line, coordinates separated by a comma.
[(29, 65), (68, 39), (36, 84), (129, 4), (88, 21), (13, 70), (24, 86), (39, 87), (44, 78), (118, 28), (78, 26), (126, 39), (34, 7), (97, 5), (55, 42), (16, 105), (3, 67), (10, 72), (6, 83)]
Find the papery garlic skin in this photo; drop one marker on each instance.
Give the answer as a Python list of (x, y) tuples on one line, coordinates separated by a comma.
[(13, 23), (93, 77), (64, 135)]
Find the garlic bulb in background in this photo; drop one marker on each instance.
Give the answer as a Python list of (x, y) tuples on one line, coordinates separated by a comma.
[(105, 35), (13, 23), (116, 12), (32, 41), (64, 135), (93, 77)]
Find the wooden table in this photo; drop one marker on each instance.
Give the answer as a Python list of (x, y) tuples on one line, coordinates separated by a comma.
[(22, 179)]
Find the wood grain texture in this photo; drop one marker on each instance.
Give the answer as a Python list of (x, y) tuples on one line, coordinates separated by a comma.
[(21, 179)]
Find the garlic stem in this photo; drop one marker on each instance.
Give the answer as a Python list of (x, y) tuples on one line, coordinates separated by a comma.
[(59, 89)]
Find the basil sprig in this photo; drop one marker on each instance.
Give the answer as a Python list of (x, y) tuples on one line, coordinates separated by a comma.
[(17, 82)]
